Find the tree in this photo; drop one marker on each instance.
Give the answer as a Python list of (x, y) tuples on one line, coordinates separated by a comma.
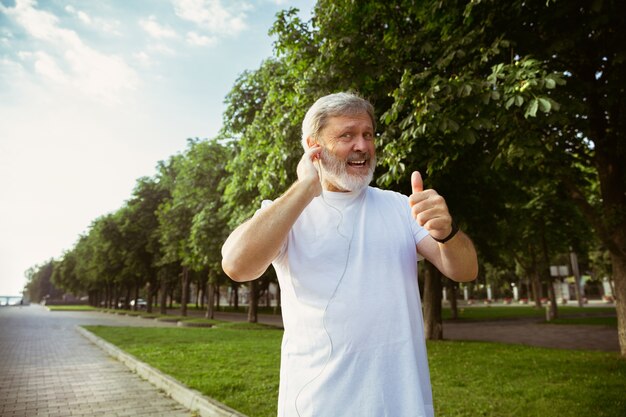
[(39, 284), (141, 228), (174, 227), (203, 174), (488, 53)]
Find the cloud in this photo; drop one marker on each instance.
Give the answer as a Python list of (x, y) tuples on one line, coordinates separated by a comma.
[(82, 16), (157, 31), (68, 60), (212, 16), (47, 66), (200, 40), (110, 27)]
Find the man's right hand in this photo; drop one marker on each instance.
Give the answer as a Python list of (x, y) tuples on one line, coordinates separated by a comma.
[(307, 171)]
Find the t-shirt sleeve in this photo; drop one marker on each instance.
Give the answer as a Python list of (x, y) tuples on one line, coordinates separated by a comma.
[(418, 231)]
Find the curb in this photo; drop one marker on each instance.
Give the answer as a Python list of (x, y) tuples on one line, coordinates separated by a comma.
[(192, 399)]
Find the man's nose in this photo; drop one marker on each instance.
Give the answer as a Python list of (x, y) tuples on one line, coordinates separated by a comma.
[(360, 143)]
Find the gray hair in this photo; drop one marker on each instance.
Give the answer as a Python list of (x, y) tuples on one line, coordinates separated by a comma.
[(338, 104)]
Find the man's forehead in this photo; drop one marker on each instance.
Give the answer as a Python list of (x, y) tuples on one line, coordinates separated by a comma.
[(349, 120)]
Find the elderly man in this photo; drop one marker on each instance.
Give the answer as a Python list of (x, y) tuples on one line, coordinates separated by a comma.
[(346, 259)]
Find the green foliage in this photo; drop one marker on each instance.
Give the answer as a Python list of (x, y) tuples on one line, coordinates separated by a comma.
[(40, 285)]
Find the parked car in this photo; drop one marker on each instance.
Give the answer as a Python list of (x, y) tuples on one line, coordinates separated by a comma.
[(141, 303)]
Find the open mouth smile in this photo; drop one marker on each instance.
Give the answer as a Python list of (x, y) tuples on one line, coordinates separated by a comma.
[(358, 163)]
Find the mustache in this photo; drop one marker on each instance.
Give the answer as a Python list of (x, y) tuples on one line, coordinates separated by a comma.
[(359, 156)]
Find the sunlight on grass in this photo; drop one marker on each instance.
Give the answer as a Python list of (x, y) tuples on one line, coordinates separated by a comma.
[(238, 364)]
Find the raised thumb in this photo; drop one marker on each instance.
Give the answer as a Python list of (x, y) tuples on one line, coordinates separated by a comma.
[(417, 184)]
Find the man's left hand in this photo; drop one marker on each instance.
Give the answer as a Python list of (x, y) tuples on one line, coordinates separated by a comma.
[(429, 209)]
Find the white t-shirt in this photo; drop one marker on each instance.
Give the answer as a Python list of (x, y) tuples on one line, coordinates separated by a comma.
[(354, 338)]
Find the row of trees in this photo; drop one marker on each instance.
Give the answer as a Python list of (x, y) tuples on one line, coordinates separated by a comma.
[(514, 110)]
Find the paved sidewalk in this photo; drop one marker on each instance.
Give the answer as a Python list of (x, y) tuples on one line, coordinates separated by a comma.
[(535, 333), (48, 369), (531, 332)]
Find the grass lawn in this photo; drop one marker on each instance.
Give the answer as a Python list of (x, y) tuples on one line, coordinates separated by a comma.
[(73, 308), (238, 364)]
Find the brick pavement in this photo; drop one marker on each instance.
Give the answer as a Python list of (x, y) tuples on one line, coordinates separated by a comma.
[(48, 369)]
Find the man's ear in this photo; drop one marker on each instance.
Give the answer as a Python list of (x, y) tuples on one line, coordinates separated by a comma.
[(311, 142)]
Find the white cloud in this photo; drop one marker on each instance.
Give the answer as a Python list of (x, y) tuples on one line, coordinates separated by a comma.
[(69, 60), (200, 40), (157, 31), (161, 49), (110, 27), (47, 66), (143, 58), (212, 16), (82, 16)]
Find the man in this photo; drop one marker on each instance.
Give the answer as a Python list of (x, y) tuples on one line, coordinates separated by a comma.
[(346, 259)]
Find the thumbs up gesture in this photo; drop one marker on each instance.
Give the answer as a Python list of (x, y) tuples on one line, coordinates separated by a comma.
[(429, 209)]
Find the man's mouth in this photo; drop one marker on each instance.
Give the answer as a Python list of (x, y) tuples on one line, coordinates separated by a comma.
[(357, 163), (358, 160)]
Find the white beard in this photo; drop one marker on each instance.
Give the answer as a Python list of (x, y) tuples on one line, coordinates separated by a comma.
[(336, 172)]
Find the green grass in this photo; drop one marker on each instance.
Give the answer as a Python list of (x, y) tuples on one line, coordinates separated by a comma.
[(491, 379), (73, 308), (238, 365)]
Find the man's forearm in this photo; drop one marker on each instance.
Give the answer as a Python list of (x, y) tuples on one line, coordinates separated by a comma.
[(458, 258), (252, 246)]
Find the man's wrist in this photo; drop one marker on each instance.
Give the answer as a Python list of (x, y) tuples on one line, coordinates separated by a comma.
[(453, 232)]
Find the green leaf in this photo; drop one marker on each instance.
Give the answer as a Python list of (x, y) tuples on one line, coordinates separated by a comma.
[(544, 105), (531, 110)]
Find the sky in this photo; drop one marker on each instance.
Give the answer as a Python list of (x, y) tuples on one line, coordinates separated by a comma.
[(94, 94)]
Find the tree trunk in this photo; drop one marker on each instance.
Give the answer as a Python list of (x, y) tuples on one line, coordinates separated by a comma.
[(545, 272), (217, 297), (236, 296), (433, 326), (150, 294), (136, 297), (202, 293), (619, 281), (127, 298), (163, 301), (210, 304), (185, 292), (454, 310), (536, 286), (553, 311), (576, 272), (253, 301)]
